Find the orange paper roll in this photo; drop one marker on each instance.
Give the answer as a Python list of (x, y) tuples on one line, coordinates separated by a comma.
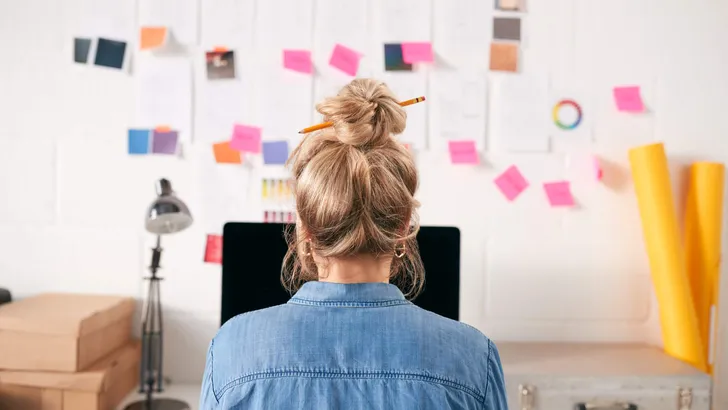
[(680, 331), (703, 224)]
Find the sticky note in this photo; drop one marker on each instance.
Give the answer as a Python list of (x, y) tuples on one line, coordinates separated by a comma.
[(164, 142), (275, 152), (246, 139), (81, 48), (226, 155), (110, 53), (507, 28), (511, 183), (152, 37), (598, 171), (504, 57), (394, 59), (559, 193), (628, 99), (298, 60), (139, 141), (213, 249), (345, 59), (463, 152), (417, 53)]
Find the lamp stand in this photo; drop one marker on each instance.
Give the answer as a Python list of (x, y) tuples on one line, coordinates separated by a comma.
[(151, 378)]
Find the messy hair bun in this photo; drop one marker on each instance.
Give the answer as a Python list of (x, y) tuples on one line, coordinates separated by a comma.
[(354, 186)]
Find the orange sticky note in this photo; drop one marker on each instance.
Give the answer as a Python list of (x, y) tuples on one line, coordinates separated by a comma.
[(152, 37), (226, 155)]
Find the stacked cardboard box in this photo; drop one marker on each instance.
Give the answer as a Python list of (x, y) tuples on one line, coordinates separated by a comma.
[(67, 352)]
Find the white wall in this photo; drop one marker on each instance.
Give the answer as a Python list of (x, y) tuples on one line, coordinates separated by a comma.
[(73, 200)]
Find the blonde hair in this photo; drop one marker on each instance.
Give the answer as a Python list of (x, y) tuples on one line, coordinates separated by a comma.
[(354, 186)]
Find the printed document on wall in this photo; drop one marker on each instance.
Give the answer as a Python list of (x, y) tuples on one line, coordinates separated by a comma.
[(462, 32), (340, 22), (397, 21), (283, 103), (221, 105), (521, 113), (457, 108), (283, 25), (227, 23), (406, 86), (114, 19), (224, 190), (179, 16), (164, 94)]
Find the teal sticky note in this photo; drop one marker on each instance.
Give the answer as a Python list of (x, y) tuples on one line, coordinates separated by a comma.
[(139, 141)]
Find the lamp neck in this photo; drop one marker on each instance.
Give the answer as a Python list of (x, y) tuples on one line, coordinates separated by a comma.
[(156, 258)]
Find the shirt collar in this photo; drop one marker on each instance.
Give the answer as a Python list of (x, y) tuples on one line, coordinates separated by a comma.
[(350, 295)]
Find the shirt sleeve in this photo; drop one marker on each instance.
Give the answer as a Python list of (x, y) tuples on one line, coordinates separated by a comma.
[(495, 392), (208, 400)]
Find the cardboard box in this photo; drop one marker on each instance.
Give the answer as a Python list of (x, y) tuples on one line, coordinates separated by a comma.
[(101, 387), (62, 332)]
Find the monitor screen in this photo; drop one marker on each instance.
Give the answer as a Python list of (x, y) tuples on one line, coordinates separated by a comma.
[(253, 254)]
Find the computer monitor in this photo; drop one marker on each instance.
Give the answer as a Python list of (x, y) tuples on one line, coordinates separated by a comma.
[(252, 256)]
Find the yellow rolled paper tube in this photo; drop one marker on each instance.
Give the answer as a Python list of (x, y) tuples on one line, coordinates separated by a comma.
[(680, 332), (703, 225)]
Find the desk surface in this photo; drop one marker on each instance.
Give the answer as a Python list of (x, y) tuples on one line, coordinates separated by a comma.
[(189, 393)]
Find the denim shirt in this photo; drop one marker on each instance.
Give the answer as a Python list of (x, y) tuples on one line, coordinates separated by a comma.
[(350, 346)]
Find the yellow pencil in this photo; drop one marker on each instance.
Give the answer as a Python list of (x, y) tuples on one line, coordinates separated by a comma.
[(329, 124)]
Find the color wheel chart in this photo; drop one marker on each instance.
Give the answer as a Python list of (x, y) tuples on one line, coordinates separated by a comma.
[(567, 114)]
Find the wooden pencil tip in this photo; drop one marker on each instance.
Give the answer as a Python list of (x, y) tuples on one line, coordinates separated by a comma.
[(300, 132)]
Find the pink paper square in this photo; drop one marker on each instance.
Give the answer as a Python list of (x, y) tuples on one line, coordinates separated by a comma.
[(417, 53), (598, 171), (559, 193), (628, 99), (463, 152), (511, 183), (246, 139), (345, 59), (298, 60)]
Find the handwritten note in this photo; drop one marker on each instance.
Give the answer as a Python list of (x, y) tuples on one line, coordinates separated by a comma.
[(345, 59), (417, 53), (152, 37), (246, 139), (275, 152), (511, 183), (598, 171), (139, 142), (628, 99), (213, 249), (298, 60), (224, 154), (463, 152), (559, 193)]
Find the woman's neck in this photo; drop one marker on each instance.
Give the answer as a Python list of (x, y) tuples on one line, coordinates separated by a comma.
[(359, 269)]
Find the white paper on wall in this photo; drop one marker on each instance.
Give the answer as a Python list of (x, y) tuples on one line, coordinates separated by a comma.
[(340, 22), (227, 23), (406, 86), (164, 94), (221, 104), (395, 21), (520, 112), (457, 108), (113, 19), (462, 32), (283, 103), (281, 25), (179, 16)]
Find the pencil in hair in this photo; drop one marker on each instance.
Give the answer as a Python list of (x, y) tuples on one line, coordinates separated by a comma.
[(329, 124)]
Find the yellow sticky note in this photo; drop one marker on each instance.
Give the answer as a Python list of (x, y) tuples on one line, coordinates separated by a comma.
[(226, 155), (152, 37)]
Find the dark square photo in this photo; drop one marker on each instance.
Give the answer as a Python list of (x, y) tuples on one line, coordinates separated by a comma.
[(81, 48), (220, 65), (110, 53)]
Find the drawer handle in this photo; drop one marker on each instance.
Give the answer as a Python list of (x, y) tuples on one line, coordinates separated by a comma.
[(617, 405)]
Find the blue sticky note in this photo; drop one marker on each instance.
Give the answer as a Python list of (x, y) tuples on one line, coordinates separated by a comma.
[(275, 152), (139, 141)]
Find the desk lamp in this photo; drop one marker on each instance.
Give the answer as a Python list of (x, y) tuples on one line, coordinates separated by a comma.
[(166, 215)]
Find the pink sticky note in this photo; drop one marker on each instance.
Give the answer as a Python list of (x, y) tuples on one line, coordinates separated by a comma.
[(298, 60), (417, 53), (511, 183), (345, 59), (559, 193), (246, 139), (628, 99), (598, 171), (463, 152)]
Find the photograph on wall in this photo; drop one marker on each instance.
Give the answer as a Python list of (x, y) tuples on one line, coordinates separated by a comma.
[(220, 65)]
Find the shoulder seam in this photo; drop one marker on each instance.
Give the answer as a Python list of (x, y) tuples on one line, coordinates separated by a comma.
[(354, 375), (489, 374)]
